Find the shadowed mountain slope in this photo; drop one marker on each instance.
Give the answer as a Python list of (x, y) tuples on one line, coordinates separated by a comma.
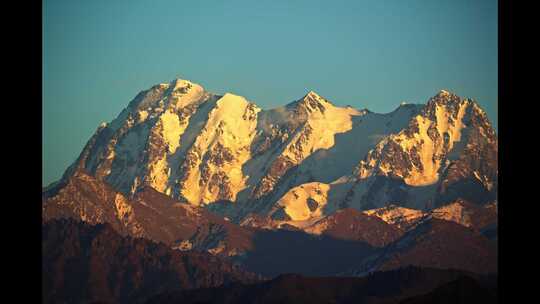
[(84, 263), (381, 287)]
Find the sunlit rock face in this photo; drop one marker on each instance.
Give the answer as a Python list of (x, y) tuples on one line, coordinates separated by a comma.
[(293, 164), (403, 218), (420, 152), (179, 140)]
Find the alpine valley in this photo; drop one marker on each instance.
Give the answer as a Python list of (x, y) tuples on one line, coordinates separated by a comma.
[(192, 197)]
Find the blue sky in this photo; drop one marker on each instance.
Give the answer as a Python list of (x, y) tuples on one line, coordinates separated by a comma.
[(97, 55)]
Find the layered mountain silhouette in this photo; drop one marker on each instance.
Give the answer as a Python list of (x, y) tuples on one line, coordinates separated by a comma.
[(405, 285), (310, 188), (95, 264), (85, 263)]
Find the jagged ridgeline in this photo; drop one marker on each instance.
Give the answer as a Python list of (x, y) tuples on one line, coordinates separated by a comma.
[(299, 162)]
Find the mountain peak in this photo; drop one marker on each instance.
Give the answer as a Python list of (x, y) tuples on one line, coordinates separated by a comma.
[(445, 97), (444, 93), (312, 102), (230, 99), (182, 85), (180, 81), (312, 94)]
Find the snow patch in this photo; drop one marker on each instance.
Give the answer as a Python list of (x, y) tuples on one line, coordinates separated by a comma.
[(171, 130), (296, 204)]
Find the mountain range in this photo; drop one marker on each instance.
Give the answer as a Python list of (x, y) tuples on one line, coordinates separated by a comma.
[(309, 187)]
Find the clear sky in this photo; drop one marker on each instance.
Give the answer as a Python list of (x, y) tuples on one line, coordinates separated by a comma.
[(97, 55)]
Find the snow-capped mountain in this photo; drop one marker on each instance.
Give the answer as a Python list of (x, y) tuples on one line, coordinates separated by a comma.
[(273, 190), (447, 150), (297, 163)]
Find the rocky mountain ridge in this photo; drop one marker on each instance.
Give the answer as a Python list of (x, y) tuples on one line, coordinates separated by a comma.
[(405, 285), (299, 162), (280, 190)]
